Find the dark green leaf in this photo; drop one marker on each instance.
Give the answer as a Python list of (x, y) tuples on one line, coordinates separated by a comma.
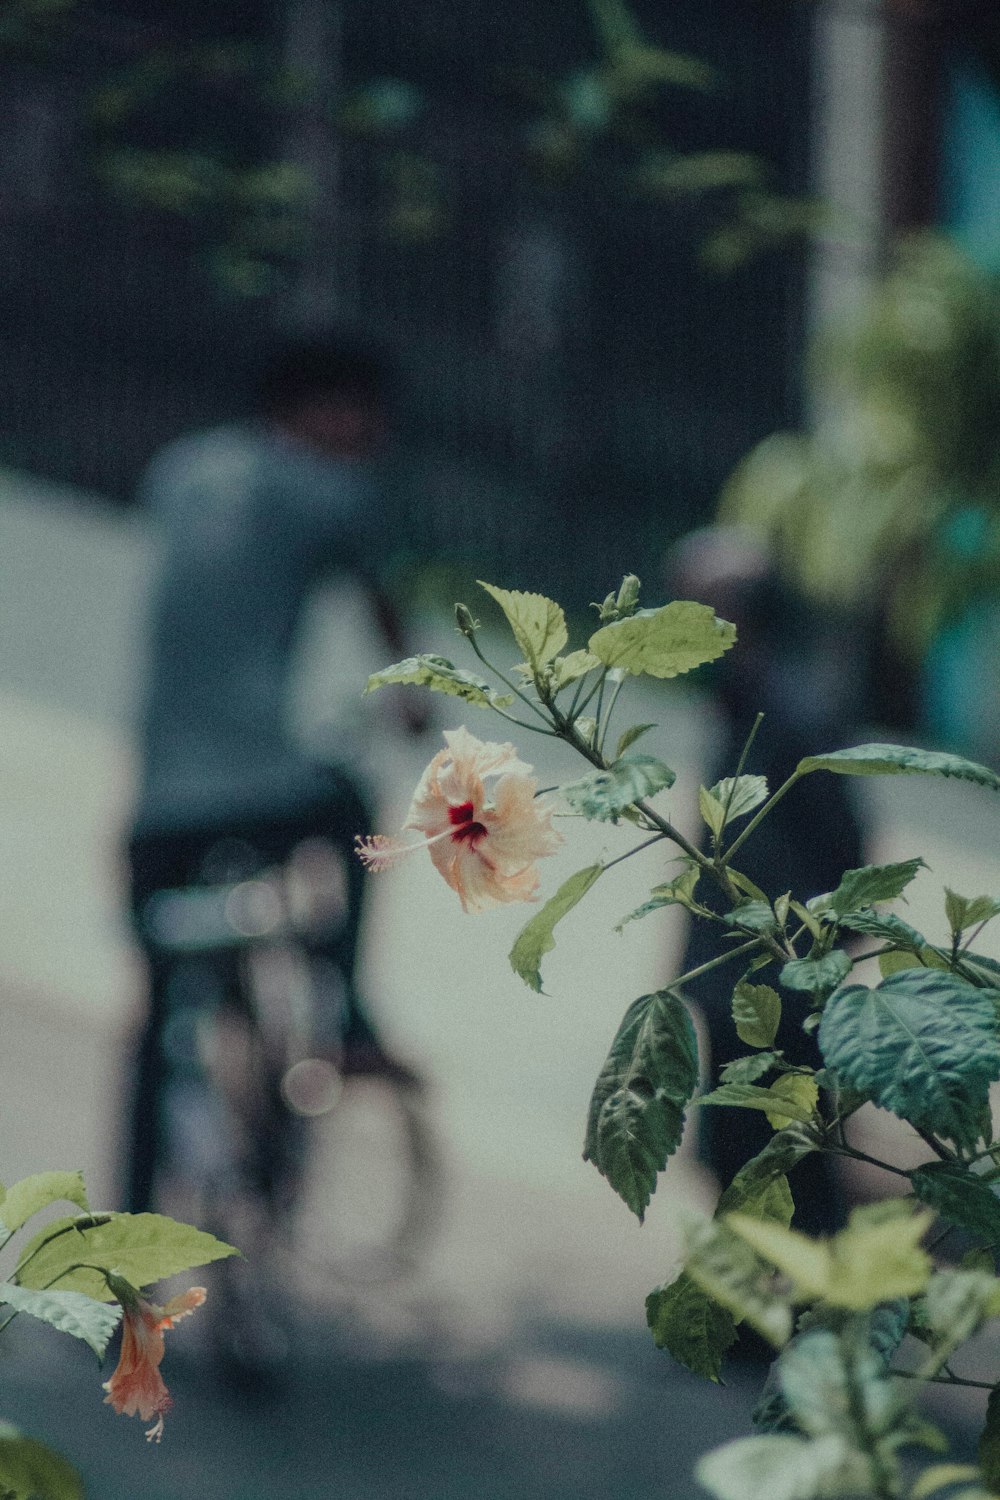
[(68, 1312), (142, 1248), (536, 937), (636, 1115), (664, 642), (742, 794), (897, 760), (872, 883), (725, 1267), (756, 1012), (31, 1471), (988, 1451), (889, 928), (923, 1044), (817, 976), (689, 1325), (441, 676), (748, 1069), (629, 737), (783, 1152), (960, 1197), (605, 794), (752, 916)]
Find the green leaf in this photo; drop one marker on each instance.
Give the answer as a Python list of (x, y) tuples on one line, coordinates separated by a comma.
[(749, 1069), (29, 1195), (629, 736), (923, 1044), (872, 883), (817, 976), (636, 1116), (142, 1248), (890, 928), (942, 1476), (31, 1471), (791, 1094), (749, 1189), (899, 760), (741, 793), (873, 1260), (988, 1450), (957, 1303), (960, 1197), (711, 810), (775, 1466), (604, 795), (69, 1312), (679, 892), (756, 1012), (567, 669), (752, 916), (536, 937), (692, 1327), (730, 1272), (441, 676), (538, 624), (664, 642), (963, 912), (751, 1096)]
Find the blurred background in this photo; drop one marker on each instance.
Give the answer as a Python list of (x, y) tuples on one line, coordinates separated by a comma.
[(641, 271)]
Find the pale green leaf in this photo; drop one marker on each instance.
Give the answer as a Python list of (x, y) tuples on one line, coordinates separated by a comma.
[(68, 1312), (817, 976), (567, 669), (538, 624), (961, 1197), (441, 676), (751, 1096), (31, 1471), (745, 884), (536, 938), (897, 760), (692, 1327), (963, 912), (740, 795), (711, 810), (756, 1012), (942, 1477), (958, 1302), (142, 1248), (629, 736), (792, 1093), (664, 642), (988, 1450), (923, 1044), (782, 1467), (29, 1195), (730, 1272), (873, 883), (636, 1116), (604, 795), (749, 1069), (679, 892)]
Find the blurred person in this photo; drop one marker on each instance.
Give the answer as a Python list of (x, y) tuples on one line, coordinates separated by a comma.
[(252, 516)]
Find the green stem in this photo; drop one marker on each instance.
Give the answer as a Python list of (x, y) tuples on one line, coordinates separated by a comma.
[(739, 767), (636, 849), (539, 713), (611, 708), (713, 963), (761, 814), (873, 1161)]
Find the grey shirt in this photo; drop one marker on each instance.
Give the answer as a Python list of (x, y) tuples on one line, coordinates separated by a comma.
[(249, 521)]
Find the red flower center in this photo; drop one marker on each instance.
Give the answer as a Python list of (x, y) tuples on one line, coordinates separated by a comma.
[(467, 830)]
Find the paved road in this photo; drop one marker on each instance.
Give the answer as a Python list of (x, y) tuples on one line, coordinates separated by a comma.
[(514, 1363)]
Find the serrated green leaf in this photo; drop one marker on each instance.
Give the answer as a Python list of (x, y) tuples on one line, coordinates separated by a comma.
[(536, 937), (142, 1248), (895, 962), (872, 883), (748, 1069), (923, 1045), (887, 926), (740, 795), (711, 811), (604, 795), (629, 736), (817, 976), (665, 642), (731, 1273), (960, 1197), (988, 1449), (963, 912), (751, 1096), (748, 1190), (538, 624), (29, 1195), (899, 760), (441, 676), (31, 1471), (792, 1093), (679, 892), (757, 1013), (636, 1116), (68, 1312), (693, 1328), (745, 884), (567, 669)]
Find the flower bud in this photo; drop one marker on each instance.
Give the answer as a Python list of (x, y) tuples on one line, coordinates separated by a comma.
[(628, 596), (463, 619)]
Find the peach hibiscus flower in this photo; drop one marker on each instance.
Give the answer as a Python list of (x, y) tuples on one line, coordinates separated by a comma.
[(484, 843), (137, 1385)]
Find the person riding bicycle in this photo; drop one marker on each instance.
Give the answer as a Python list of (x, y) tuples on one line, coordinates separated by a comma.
[(252, 516)]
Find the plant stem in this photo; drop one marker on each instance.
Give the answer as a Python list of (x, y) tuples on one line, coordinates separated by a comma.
[(540, 713), (761, 814), (636, 849)]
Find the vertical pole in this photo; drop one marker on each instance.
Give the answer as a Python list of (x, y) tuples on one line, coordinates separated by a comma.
[(313, 56)]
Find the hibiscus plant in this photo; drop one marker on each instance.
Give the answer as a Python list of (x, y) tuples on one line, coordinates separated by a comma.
[(864, 1319), (84, 1273)]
